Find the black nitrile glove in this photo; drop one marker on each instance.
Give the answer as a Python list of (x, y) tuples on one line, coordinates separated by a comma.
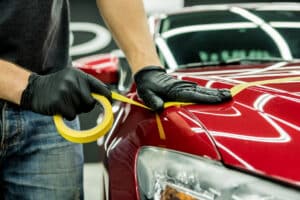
[(66, 92), (155, 87)]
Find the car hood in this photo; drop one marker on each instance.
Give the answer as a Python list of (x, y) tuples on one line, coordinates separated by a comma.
[(259, 129)]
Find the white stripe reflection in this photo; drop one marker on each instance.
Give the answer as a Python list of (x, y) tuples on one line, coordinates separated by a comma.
[(243, 162)]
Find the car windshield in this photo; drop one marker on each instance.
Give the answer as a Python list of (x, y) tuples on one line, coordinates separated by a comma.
[(235, 33)]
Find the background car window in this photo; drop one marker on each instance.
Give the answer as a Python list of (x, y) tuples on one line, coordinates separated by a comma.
[(292, 37), (287, 23), (208, 36), (278, 15), (222, 45), (179, 20)]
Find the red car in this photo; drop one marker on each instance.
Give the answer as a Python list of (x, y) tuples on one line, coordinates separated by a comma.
[(244, 149)]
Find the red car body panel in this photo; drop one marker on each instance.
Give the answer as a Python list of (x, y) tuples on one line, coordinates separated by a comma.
[(103, 66), (257, 131)]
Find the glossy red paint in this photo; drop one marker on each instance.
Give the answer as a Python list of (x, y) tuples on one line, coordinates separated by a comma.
[(102, 66), (258, 131)]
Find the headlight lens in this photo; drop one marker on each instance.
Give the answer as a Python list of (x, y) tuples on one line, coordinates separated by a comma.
[(168, 175)]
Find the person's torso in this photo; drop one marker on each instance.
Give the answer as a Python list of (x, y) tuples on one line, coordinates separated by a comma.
[(34, 34)]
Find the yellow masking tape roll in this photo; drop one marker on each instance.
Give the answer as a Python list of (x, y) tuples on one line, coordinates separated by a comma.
[(240, 87), (101, 129), (90, 135)]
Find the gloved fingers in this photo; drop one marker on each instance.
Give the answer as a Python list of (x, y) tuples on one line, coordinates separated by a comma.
[(87, 102), (152, 100), (67, 110), (66, 102), (186, 85), (224, 94), (208, 91), (196, 97), (73, 99), (84, 102), (69, 115), (194, 93), (99, 87)]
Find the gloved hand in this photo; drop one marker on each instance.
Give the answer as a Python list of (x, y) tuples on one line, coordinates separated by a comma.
[(155, 87), (66, 92)]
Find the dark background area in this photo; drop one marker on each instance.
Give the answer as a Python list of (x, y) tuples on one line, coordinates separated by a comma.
[(197, 2), (86, 11)]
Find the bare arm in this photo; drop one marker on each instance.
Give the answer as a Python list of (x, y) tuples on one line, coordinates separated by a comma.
[(13, 80), (128, 23)]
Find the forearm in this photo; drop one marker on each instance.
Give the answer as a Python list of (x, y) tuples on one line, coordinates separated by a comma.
[(128, 23), (13, 81)]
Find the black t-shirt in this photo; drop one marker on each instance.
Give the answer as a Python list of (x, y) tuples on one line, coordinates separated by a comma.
[(35, 34)]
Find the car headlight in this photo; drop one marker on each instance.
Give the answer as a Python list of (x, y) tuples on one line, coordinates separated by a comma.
[(168, 175)]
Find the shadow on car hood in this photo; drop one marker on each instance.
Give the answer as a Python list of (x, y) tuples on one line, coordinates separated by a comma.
[(259, 130)]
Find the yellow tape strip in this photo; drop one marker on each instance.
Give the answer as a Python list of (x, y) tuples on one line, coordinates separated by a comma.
[(238, 88), (101, 129), (124, 99), (160, 128)]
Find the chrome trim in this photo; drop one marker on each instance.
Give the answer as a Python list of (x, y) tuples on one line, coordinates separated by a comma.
[(116, 122), (207, 27)]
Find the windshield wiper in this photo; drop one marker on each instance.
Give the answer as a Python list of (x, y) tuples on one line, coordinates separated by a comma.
[(199, 64), (237, 61)]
